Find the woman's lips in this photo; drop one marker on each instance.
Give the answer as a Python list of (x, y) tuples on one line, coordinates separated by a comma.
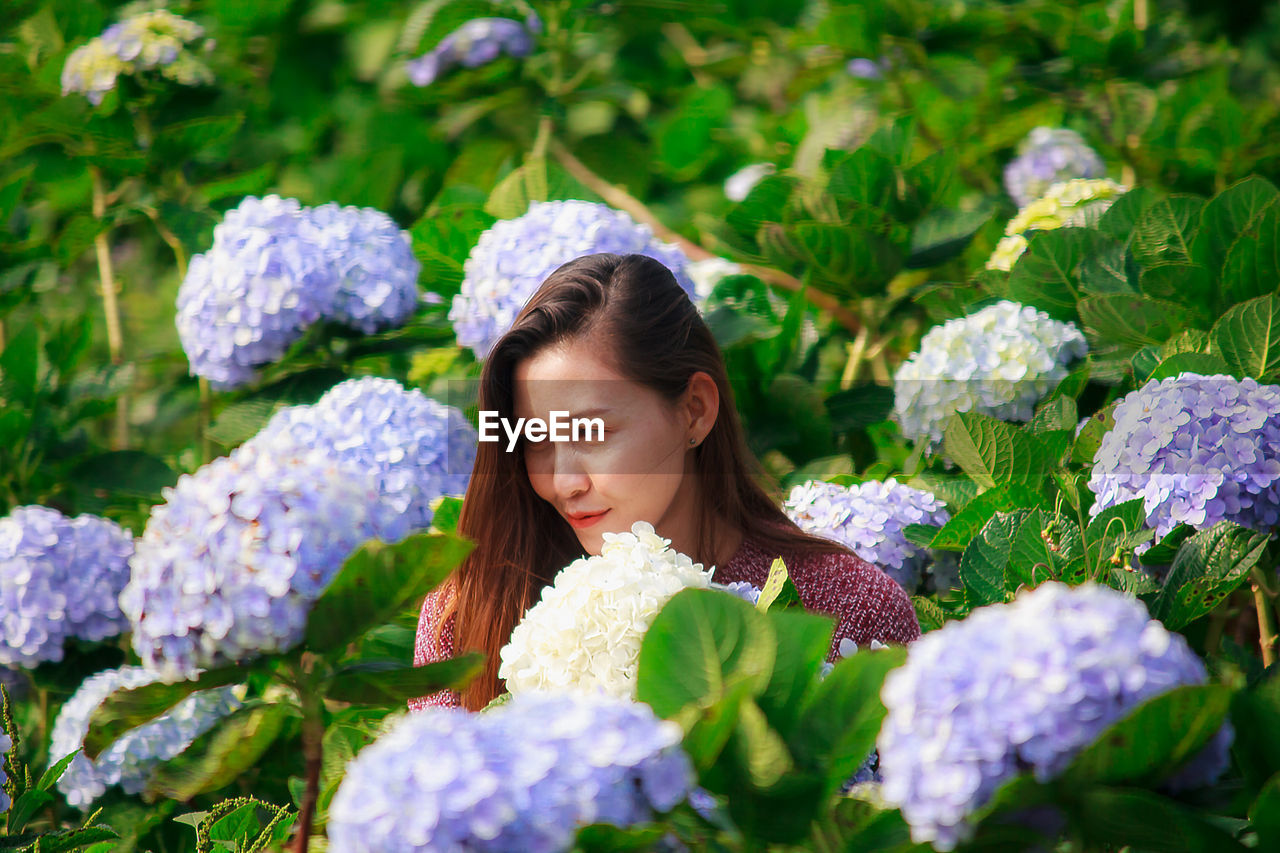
[(585, 521)]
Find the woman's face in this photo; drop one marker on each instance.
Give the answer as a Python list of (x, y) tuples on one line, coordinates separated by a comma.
[(642, 468)]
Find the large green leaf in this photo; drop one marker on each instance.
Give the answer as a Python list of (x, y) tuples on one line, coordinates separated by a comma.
[(943, 234), (995, 453), (984, 566), (842, 716), (1110, 818), (125, 710), (803, 642), (1264, 814), (378, 581), (1205, 570), (1248, 338), (126, 472), (1121, 218), (1255, 715), (1047, 276), (1131, 320), (1252, 264), (222, 755), (1164, 231), (1154, 739), (699, 645), (396, 682), (1228, 214), (956, 534)]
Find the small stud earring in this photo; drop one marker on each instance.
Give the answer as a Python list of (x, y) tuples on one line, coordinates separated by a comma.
[(693, 441)]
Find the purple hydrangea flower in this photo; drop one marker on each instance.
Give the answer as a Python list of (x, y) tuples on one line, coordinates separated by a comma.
[(154, 39), (60, 578), (869, 517), (130, 760), (748, 592), (998, 361), (417, 448), (475, 43), (1198, 450), (521, 777), (1048, 156), (374, 263), (865, 69), (962, 720), (229, 566), (266, 279), (512, 258)]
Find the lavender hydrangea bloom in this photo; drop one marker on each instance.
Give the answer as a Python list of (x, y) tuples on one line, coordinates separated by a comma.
[(748, 592), (266, 279), (961, 720), (869, 517), (1048, 156), (154, 39), (130, 760), (477, 42), (522, 777), (1198, 450), (998, 361), (416, 448), (374, 263), (865, 69), (229, 566), (513, 257), (59, 578)]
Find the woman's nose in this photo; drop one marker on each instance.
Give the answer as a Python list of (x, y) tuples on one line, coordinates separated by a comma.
[(568, 476)]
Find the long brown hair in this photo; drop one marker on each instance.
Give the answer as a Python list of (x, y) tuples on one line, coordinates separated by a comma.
[(658, 339)]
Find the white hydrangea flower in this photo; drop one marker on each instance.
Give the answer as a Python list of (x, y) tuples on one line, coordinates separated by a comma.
[(1074, 204), (706, 274), (999, 361), (739, 185), (584, 633)]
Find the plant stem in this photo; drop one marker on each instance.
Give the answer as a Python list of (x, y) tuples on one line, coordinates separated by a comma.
[(313, 754), (857, 350), (1266, 617), (617, 197), (206, 418), (110, 307)]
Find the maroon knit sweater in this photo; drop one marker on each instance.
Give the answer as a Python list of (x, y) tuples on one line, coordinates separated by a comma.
[(868, 604)]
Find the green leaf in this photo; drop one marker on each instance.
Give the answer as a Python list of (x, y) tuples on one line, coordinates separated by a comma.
[(445, 511), (1255, 715), (240, 420), (993, 452), (1164, 231), (1264, 815), (956, 534), (1189, 362), (984, 564), (1252, 265), (1112, 818), (1047, 276), (238, 827), (803, 642), (1205, 570), (764, 204), (251, 182), (1121, 218), (63, 840), (179, 141), (1226, 215), (842, 715), (222, 755), (1248, 338), (395, 682), (19, 361), (686, 140), (942, 235), (705, 649), (857, 408), (1131, 320), (538, 179), (55, 771), (125, 472), (125, 710), (1153, 740), (778, 589), (607, 838), (378, 581)]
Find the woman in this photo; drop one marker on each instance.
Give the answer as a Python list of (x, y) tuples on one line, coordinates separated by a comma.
[(615, 337)]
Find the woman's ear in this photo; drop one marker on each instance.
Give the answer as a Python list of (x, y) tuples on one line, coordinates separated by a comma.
[(702, 404)]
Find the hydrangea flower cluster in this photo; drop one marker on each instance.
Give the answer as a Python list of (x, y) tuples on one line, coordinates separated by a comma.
[(998, 361), (961, 721), (275, 268), (60, 578), (475, 43), (866, 69), (130, 760), (745, 590), (869, 517), (1198, 450), (513, 257), (706, 274), (155, 39), (417, 448), (1046, 157), (1070, 204), (229, 566), (522, 777), (584, 633), (739, 185)]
